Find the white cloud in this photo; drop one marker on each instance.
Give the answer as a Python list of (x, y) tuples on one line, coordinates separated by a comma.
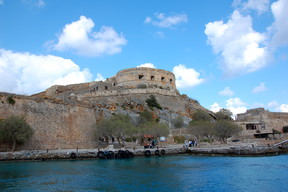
[(273, 104), (240, 47), (26, 73), (149, 65), (215, 107), (99, 77), (261, 6), (235, 102), (279, 29), (186, 77), (79, 37), (284, 108), (236, 106), (259, 88), (277, 107), (166, 21), (226, 92), (36, 3)]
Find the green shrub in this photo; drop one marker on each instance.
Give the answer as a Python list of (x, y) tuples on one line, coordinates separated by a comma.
[(15, 130), (152, 102), (11, 100), (285, 129)]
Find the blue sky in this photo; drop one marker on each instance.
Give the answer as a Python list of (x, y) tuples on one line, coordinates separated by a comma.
[(225, 54)]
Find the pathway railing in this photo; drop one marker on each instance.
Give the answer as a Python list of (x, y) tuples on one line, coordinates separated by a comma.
[(281, 143)]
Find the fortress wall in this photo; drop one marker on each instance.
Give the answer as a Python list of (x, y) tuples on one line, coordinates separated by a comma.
[(131, 78), (127, 92), (55, 125), (277, 120)]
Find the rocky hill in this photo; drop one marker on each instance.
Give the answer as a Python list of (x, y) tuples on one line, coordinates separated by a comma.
[(63, 116)]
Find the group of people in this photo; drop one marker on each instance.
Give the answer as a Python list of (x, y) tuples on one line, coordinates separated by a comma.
[(150, 145), (190, 143)]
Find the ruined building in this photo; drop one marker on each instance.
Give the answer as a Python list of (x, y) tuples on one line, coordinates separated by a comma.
[(63, 116), (260, 123)]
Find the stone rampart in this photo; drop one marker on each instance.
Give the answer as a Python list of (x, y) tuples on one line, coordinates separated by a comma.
[(127, 92)]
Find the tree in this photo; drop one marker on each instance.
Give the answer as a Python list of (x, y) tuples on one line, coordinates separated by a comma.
[(203, 125), (201, 115), (116, 126), (225, 129), (15, 130), (202, 129), (223, 114)]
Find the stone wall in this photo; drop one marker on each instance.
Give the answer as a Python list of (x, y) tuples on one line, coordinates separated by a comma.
[(127, 92), (131, 78), (56, 125)]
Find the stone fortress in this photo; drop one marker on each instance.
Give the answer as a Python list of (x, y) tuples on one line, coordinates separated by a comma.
[(64, 116), (134, 79)]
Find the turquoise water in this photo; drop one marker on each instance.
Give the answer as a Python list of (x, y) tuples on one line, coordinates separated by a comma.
[(169, 173)]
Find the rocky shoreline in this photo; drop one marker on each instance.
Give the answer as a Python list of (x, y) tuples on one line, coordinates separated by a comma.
[(67, 154)]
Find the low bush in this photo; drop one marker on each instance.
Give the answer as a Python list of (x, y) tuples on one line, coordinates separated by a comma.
[(285, 129)]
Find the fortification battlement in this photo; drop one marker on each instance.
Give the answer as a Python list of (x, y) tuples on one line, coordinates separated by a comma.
[(150, 77)]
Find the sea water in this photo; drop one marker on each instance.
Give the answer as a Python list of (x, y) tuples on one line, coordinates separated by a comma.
[(166, 173)]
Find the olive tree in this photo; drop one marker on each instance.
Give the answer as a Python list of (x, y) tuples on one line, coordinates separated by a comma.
[(223, 114), (116, 126), (201, 115), (15, 130), (202, 129), (225, 129), (203, 126)]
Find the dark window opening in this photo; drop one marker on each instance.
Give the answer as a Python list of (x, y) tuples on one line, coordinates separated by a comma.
[(97, 88), (141, 76), (106, 87), (171, 80), (152, 77), (114, 84), (162, 78), (251, 127)]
